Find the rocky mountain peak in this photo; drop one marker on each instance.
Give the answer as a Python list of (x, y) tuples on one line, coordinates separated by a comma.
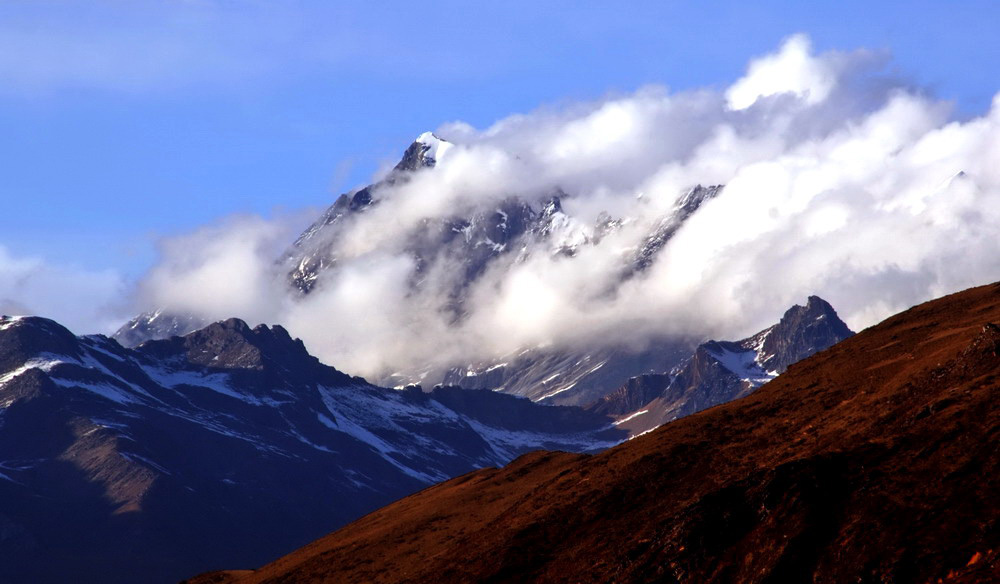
[(232, 344), (24, 337), (312, 251), (720, 371), (816, 305), (802, 331), (235, 344), (425, 152)]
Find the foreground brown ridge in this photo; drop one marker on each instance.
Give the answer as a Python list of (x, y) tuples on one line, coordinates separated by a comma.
[(874, 461)]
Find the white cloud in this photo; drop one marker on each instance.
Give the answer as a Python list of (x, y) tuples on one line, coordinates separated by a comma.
[(843, 188), (86, 301), (229, 268), (793, 69)]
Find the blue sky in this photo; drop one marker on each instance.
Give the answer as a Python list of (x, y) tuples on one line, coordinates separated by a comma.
[(121, 122)]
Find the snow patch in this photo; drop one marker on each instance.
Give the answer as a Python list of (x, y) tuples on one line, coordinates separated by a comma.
[(374, 416), (508, 444), (105, 390), (44, 362), (642, 433), (7, 322), (636, 414), (434, 148), (744, 365), (216, 382), (558, 391)]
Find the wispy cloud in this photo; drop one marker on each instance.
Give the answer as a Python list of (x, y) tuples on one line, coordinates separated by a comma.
[(85, 300)]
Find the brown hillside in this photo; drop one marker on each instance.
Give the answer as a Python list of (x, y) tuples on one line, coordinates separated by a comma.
[(874, 461)]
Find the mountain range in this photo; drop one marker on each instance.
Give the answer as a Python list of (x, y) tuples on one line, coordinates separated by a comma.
[(179, 444), (492, 236), (721, 371), (228, 445), (873, 461), (152, 463), (802, 452)]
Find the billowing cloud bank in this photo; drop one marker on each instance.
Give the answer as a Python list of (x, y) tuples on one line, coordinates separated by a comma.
[(840, 181)]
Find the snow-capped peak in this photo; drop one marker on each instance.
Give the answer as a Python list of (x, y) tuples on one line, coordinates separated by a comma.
[(433, 147)]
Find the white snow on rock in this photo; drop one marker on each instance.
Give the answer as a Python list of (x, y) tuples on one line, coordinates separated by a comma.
[(744, 364), (8, 321), (43, 361), (434, 147), (421, 437), (631, 416)]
